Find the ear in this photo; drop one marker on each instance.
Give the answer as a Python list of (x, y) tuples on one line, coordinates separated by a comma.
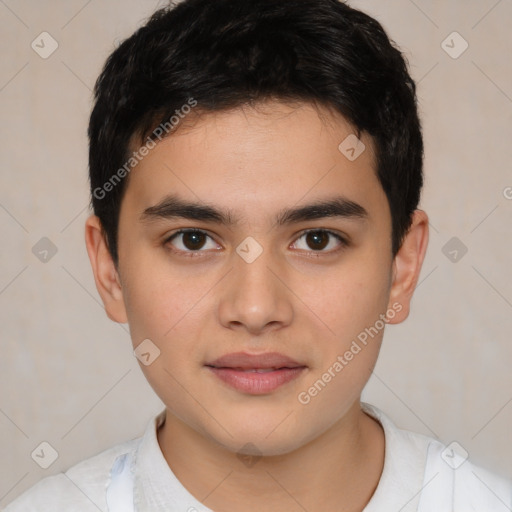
[(407, 266), (106, 275)]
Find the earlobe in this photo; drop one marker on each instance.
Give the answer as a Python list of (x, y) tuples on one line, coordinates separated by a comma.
[(105, 273), (407, 265)]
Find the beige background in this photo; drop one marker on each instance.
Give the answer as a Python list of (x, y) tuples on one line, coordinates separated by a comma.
[(68, 375)]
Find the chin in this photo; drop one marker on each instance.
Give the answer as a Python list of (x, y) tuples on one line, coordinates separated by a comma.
[(260, 438)]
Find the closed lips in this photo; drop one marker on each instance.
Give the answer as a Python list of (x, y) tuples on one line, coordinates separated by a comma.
[(243, 361), (256, 374)]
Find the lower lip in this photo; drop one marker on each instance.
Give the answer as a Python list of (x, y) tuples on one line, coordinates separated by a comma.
[(255, 383)]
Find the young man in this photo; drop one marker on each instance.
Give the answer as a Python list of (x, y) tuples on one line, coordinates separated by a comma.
[(255, 170)]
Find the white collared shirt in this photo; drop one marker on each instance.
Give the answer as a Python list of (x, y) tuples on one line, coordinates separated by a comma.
[(418, 475)]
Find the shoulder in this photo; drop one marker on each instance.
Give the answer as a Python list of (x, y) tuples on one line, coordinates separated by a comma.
[(450, 479), (79, 489)]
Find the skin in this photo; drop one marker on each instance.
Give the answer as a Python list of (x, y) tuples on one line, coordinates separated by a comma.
[(293, 299)]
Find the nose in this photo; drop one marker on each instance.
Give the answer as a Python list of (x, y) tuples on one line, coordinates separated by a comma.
[(255, 297)]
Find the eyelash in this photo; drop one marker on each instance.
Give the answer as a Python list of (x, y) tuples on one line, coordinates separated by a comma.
[(191, 254)]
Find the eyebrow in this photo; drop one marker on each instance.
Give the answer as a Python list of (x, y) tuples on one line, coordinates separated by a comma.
[(174, 207)]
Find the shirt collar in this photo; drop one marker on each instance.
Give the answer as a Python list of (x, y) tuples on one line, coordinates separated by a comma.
[(156, 487), (399, 487)]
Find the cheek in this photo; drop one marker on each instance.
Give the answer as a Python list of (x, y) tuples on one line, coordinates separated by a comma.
[(166, 308), (148, 310), (351, 306), (159, 299), (350, 300)]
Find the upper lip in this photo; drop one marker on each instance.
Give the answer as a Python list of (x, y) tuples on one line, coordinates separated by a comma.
[(244, 361)]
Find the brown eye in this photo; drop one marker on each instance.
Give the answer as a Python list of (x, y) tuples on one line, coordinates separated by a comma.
[(317, 240), (190, 241), (193, 240)]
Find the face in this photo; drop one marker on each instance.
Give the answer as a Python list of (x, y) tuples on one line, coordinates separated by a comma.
[(268, 310)]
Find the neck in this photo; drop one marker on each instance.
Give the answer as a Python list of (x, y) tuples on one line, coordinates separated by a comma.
[(339, 470)]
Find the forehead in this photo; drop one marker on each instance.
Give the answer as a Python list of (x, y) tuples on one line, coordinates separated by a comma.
[(255, 158)]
